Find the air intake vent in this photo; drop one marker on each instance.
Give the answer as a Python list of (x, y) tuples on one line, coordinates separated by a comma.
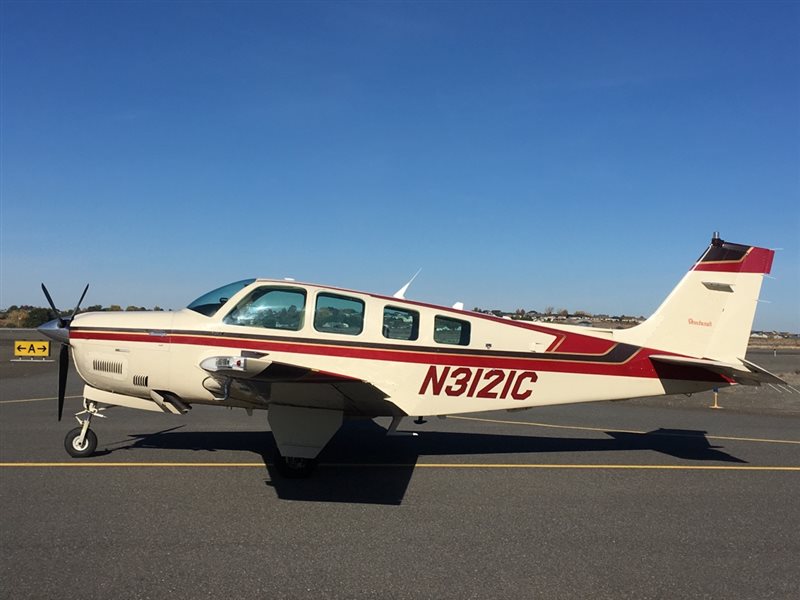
[(140, 380), (107, 366)]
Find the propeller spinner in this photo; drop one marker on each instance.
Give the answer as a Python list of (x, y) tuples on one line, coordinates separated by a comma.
[(58, 330)]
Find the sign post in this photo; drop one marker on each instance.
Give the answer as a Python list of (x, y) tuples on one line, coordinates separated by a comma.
[(716, 393)]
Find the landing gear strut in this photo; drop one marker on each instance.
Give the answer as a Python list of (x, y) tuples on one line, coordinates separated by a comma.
[(82, 441)]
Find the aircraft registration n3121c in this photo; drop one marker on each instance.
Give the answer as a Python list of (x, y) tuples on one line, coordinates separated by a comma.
[(314, 355)]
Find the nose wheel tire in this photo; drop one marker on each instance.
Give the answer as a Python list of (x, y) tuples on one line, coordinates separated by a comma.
[(80, 450)]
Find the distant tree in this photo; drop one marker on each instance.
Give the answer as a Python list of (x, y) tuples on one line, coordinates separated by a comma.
[(115, 307), (563, 312), (94, 308), (15, 318), (36, 317), (158, 309), (548, 310)]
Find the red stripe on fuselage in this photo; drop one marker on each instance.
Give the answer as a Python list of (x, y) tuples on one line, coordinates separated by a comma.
[(636, 365), (581, 344)]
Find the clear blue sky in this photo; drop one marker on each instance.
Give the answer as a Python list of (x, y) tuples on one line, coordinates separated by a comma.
[(577, 155)]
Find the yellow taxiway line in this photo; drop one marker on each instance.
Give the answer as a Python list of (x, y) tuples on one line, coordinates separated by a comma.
[(606, 430), (228, 465)]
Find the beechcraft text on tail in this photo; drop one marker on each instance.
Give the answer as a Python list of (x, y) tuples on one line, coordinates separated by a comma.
[(314, 355)]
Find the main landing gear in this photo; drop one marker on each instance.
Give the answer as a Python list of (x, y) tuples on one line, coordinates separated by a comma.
[(295, 467), (82, 441), (300, 433)]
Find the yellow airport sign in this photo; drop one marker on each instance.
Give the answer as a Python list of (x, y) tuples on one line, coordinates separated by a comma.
[(31, 348)]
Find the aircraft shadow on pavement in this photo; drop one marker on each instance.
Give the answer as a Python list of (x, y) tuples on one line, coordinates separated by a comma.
[(362, 465)]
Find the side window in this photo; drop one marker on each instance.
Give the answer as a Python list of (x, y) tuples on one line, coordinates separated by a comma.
[(451, 331), (271, 308), (339, 314), (400, 324)]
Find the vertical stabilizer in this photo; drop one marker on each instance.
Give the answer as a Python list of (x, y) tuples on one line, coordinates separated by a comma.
[(710, 312)]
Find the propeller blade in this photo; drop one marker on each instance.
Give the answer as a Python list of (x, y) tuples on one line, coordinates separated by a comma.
[(53, 306), (63, 369), (78, 306)]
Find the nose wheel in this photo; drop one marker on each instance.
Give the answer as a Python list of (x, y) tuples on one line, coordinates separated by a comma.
[(82, 441), (80, 446)]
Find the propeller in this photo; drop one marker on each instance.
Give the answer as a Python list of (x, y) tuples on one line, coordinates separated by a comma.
[(58, 330)]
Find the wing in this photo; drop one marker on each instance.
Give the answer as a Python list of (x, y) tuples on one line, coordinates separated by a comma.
[(254, 379)]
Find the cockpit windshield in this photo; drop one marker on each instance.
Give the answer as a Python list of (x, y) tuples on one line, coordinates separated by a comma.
[(208, 304)]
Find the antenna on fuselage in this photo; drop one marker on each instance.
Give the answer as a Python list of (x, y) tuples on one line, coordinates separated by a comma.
[(401, 293)]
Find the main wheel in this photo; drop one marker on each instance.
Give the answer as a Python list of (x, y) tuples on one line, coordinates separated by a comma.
[(76, 450), (295, 467)]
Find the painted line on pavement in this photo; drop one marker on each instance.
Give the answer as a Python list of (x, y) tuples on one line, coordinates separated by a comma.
[(224, 465), (606, 430)]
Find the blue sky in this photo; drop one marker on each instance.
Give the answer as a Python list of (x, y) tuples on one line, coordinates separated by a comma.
[(574, 155)]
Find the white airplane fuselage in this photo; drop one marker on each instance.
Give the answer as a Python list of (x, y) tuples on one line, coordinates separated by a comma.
[(506, 364), (313, 355)]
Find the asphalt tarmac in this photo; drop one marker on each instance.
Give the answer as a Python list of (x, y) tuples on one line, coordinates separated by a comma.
[(643, 499)]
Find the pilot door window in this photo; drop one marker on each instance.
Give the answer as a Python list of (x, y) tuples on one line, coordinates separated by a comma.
[(271, 308), (451, 331), (339, 314)]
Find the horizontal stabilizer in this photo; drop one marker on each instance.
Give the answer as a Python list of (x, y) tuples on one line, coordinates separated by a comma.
[(764, 372), (751, 374)]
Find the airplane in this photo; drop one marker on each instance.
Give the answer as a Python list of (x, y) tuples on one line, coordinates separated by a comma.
[(314, 355)]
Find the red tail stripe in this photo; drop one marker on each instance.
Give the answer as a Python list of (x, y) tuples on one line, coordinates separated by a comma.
[(757, 260)]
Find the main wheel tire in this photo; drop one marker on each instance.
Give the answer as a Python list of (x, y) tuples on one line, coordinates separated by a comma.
[(76, 450), (295, 467)]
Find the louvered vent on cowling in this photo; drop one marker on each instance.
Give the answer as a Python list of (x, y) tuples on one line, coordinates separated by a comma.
[(140, 380), (107, 366)]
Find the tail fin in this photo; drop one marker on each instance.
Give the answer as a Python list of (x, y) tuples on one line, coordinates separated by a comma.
[(710, 312)]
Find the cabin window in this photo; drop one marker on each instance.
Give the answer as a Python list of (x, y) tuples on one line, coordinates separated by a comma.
[(339, 314), (451, 331), (400, 324), (271, 308)]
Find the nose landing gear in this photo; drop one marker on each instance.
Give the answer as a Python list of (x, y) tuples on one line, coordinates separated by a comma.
[(82, 441)]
